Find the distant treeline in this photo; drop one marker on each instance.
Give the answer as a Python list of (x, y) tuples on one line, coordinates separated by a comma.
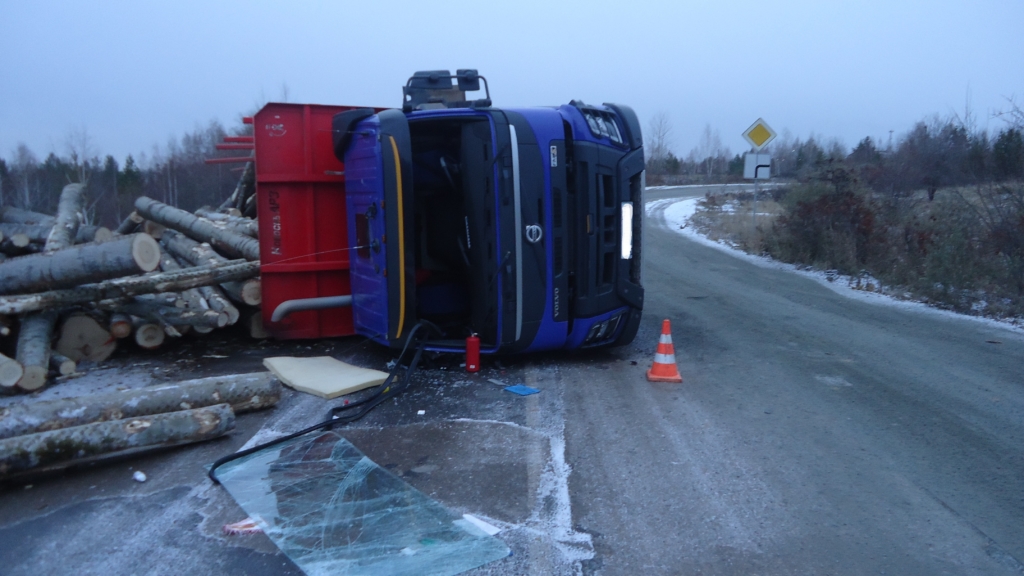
[(931, 155), (176, 175)]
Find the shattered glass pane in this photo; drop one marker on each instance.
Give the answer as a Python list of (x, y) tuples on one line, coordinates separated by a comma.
[(333, 511)]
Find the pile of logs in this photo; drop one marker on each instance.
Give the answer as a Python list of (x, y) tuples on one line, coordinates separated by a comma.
[(70, 292)]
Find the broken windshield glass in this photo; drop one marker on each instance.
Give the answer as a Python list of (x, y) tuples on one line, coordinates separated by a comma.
[(333, 511)]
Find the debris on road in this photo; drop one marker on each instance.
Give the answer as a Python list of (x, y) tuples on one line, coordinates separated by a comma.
[(323, 376), (139, 476), (521, 390), (247, 526)]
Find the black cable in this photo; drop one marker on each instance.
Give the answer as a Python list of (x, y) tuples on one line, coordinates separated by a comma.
[(384, 392)]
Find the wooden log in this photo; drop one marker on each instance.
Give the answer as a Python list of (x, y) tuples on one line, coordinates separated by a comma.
[(120, 325), (239, 225), (176, 316), (247, 291), (82, 337), (154, 229), (11, 250), (61, 364), (79, 264), (148, 335), (219, 302), (26, 232), (34, 348), (129, 286), (22, 234), (130, 224), (10, 372), (21, 216), (65, 228), (250, 207), (92, 233), (189, 224), (254, 321), (57, 449), (243, 392), (193, 298)]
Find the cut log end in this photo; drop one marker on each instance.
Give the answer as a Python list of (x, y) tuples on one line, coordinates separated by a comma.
[(146, 252), (149, 336), (10, 371), (33, 379), (83, 338), (62, 364)]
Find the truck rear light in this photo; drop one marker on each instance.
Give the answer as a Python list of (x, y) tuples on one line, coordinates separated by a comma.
[(627, 230)]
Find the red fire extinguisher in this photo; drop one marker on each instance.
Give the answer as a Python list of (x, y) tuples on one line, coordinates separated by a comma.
[(473, 353)]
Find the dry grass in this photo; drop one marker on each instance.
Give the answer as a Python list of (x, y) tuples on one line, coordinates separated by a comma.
[(729, 217)]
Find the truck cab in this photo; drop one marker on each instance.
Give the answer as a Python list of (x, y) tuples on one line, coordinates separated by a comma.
[(522, 226)]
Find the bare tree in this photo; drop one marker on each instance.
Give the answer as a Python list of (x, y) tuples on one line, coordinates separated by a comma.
[(658, 141), (25, 163), (81, 150), (1014, 115), (710, 149)]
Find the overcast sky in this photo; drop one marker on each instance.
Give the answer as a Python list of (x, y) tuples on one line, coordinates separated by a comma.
[(134, 74)]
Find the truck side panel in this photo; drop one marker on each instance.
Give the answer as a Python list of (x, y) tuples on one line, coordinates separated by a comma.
[(300, 189)]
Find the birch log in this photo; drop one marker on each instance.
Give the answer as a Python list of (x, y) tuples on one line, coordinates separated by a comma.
[(61, 364), (248, 291), (56, 449), (129, 286), (26, 233), (244, 181), (65, 228), (20, 216), (34, 348), (244, 392), (195, 227), (148, 335), (130, 223), (82, 337), (120, 325), (10, 372), (79, 264), (93, 234), (237, 224), (176, 316)]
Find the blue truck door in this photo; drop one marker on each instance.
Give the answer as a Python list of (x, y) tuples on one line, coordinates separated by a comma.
[(378, 186)]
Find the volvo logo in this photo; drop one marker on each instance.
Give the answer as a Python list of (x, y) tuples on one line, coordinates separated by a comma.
[(534, 233)]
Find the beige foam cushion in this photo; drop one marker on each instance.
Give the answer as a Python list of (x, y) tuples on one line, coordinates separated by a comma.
[(322, 375)]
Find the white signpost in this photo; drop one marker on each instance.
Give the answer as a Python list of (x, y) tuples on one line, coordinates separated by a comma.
[(757, 166)]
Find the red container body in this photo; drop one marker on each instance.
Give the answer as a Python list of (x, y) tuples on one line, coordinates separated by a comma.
[(303, 232), (473, 353)]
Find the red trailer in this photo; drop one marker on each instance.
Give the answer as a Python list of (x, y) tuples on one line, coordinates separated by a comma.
[(300, 189)]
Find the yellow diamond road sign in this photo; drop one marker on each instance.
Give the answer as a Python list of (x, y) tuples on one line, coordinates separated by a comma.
[(759, 134)]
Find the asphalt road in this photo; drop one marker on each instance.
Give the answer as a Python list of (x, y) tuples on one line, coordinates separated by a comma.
[(814, 434)]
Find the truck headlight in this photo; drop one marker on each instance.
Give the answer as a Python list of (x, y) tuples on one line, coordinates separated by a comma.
[(627, 230)]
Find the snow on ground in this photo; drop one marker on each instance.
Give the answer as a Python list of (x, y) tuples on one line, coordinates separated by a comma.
[(674, 214)]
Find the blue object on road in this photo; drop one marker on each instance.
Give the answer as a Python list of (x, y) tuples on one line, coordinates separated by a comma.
[(521, 390)]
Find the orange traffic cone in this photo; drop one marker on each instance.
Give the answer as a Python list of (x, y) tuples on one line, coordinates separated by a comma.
[(664, 367)]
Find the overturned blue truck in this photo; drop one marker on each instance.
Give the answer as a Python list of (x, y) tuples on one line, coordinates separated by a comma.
[(522, 226)]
